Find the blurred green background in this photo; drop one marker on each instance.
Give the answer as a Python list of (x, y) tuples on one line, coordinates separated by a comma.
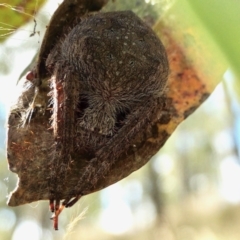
[(190, 189)]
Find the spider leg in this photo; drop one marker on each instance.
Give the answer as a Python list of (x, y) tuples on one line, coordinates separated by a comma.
[(57, 210), (109, 154), (64, 110), (51, 205), (70, 203)]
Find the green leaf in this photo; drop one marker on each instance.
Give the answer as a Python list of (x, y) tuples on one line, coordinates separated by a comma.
[(222, 19)]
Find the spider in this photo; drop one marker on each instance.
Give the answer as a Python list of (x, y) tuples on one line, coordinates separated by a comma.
[(108, 75)]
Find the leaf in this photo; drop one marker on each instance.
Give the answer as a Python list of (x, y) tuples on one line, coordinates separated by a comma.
[(222, 19)]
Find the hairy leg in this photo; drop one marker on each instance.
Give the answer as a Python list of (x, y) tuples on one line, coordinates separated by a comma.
[(65, 99), (109, 154)]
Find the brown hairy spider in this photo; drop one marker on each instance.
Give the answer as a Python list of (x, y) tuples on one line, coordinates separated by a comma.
[(108, 77)]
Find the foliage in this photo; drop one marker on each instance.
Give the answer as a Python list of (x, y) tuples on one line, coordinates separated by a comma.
[(221, 18)]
